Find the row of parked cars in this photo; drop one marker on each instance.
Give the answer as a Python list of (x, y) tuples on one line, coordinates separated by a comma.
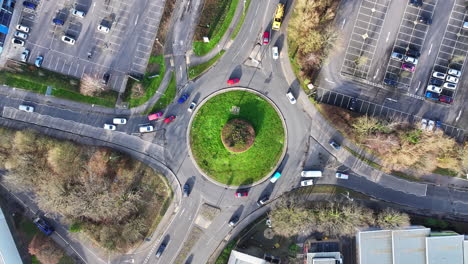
[(429, 125), (443, 81)]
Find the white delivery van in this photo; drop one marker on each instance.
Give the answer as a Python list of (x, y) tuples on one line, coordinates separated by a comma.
[(311, 174)]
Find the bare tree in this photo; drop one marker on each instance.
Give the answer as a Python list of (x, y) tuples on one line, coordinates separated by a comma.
[(91, 85)]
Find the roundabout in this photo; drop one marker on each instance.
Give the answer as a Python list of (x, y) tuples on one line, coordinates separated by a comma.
[(237, 137)]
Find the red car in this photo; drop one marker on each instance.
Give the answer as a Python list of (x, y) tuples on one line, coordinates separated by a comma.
[(155, 116), (169, 119), (232, 81), (266, 37), (242, 193), (408, 67), (446, 99)]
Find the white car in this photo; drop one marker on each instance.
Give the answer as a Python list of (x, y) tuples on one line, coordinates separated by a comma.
[(25, 55), (21, 35), (450, 86), (342, 175), (192, 107), (119, 121), (434, 89), (275, 52), (439, 75), (423, 124), (78, 13), (291, 98), (147, 128), (307, 182), (430, 125), (26, 108), (411, 60), (451, 79), (22, 28), (109, 127), (103, 29), (454, 72), (68, 40)]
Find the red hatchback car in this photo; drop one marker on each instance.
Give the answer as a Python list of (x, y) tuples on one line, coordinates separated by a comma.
[(232, 81), (169, 119), (266, 37), (408, 67), (446, 99), (155, 116), (242, 193)]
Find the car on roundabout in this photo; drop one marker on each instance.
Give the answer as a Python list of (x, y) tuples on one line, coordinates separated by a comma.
[(241, 193), (233, 81)]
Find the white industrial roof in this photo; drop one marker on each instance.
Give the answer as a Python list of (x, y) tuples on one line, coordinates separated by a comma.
[(241, 258), (409, 245), (8, 251), (444, 249), (375, 247)]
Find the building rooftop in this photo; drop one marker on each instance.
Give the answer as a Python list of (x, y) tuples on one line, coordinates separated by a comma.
[(242, 258), (444, 249), (324, 258), (8, 251)]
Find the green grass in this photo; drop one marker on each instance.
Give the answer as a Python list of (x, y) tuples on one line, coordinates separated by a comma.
[(364, 159), (28, 228), (201, 48), (330, 189), (223, 258), (237, 168), (446, 172), (167, 97), (406, 176), (241, 21), (66, 260), (196, 70), (66, 87), (150, 85), (34, 260)]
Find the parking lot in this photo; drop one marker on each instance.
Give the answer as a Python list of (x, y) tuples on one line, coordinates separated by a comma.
[(363, 41), (123, 50), (411, 35)]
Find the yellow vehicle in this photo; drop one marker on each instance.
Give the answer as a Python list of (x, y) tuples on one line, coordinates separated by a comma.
[(278, 17)]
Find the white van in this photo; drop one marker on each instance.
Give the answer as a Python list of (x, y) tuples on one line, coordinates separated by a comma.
[(311, 174)]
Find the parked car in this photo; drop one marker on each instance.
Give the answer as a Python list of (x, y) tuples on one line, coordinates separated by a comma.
[(119, 121), (454, 72), (465, 24), (30, 5), (430, 125), (183, 98), (439, 75), (342, 175), (242, 193), (425, 20), (423, 124), (109, 127), (451, 79), (234, 220), (307, 183), (434, 89), (432, 96), (26, 108), (192, 107), (161, 249), (408, 67), (291, 97), (21, 35), (39, 60), (397, 56), (25, 55), (446, 99), (450, 86), (146, 129), (105, 78), (22, 28), (78, 13), (155, 116), (69, 40), (17, 41), (58, 22), (266, 37), (416, 3), (411, 60), (275, 52), (352, 104), (438, 124), (263, 200), (186, 190), (436, 82), (103, 29), (390, 82), (233, 81), (413, 53), (169, 119), (45, 227), (334, 145)]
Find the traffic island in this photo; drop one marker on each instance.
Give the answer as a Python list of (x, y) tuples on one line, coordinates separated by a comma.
[(237, 137)]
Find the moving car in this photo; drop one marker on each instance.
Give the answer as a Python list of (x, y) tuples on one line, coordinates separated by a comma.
[(183, 98), (390, 82), (342, 175), (263, 200), (109, 127), (78, 13), (411, 60), (425, 20), (17, 41), (439, 75), (432, 96), (352, 104), (434, 89), (275, 52), (450, 86), (451, 79), (21, 35), (232, 81), (39, 60), (437, 82), (408, 67), (146, 129), (155, 116), (169, 119), (334, 145), (119, 121), (25, 55), (454, 72), (275, 177), (161, 249), (103, 29), (45, 227), (26, 108), (242, 193), (416, 3), (29, 5), (22, 28), (192, 106), (397, 56), (69, 40), (307, 182), (266, 37), (186, 190), (446, 99), (430, 125), (311, 174), (234, 220), (423, 124), (291, 98)]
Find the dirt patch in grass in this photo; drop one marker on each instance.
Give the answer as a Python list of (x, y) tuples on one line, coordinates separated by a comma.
[(192, 239), (209, 212), (238, 135), (164, 26)]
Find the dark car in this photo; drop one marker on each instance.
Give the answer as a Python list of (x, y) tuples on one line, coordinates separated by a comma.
[(105, 78), (234, 220), (425, 20), (161, 249), (432, 96), (186, 190), (352, 104), (43, 226), (446, 99), (183, 98), (57, 21), (169, 119), (334, 145), (413, 53), (242, 193), (390, 82), (437, 82), (416, 3), (263, 200), (29, 5)]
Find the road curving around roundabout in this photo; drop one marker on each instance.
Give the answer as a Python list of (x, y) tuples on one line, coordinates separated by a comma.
[(243, 169)]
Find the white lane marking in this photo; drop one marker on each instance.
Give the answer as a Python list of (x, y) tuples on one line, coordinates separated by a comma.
[(94, 5), (388, 36), (342, 24), (459, 115), (377, 72), (430, 49), (328, 80), (417, 88), (136, 20)]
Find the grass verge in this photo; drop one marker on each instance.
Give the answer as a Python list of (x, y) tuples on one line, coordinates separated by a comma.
[(196, 70), (405, 176), (330, 189), (241, 20), (218, 26), (223, 258), (166, 98), (359, 156), (237, 168), (192, 239), (446, 172)]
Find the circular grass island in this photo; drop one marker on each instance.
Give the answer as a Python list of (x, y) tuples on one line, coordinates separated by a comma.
[(237, 137)]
